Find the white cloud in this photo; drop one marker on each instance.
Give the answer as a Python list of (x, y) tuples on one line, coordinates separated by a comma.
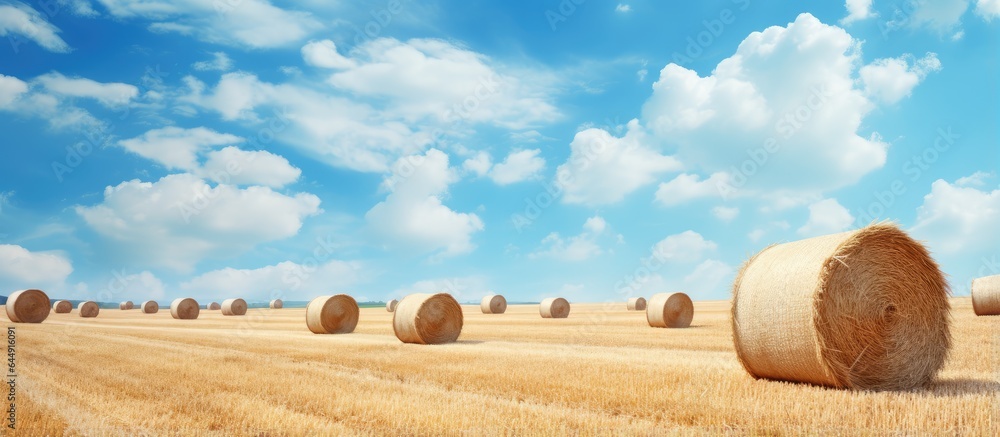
[(108, 94), (957, 219), (708, 277), (177, 148), (686, 187), (81, 8), (942, 16), (21, 268), (413, 215), (891, 79), (232, 165), (18, 97), (725, 213), (518, 166), (988, 9), (685, 247), (857, 10), (324, 54), (595, 224), (597, 157), (976, 179), (826, 217), (179, 220), (623, 8), (479, 164), (576, 248), (463, 289), (220, 62), (18, 20), (10, 89), (756, 234), (137, 287), (286, 280)]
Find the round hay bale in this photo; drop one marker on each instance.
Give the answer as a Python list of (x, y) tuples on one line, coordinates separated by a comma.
[(62, 307), (234, 307), (214, 306), (277, 304), (390, 306), (554, 308), (493, 304), (88, 309), (127, 305), (185, 308), (425, 318), (669, 310), (636, 304), (332, 314), (149, 307), (986, 296), (28, 306), (865, 309)]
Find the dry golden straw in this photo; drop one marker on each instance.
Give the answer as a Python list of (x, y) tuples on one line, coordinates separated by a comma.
[(425, 318), (669, 310), (28, 306), (554, 308), (636, 304), (493, 304), (88, 309), (277, 304), (390, 306), (234, 307), (62, 307), (866, 309), (149, 307), (332, 314), (127, 305), (214, 306), (185, 308), (986, 296)]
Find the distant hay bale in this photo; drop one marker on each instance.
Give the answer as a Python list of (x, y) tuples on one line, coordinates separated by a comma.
[(185, 308), (669, 310), (636, 304), (554, 308), (62, 307), (214, 306), (127, 305), (88, 309), (493, 304), (332, 314), (390, 306), (986, 296), (234, 307), (425, 318), (865, 309), (277, 304), (149, 307), (28, 306)]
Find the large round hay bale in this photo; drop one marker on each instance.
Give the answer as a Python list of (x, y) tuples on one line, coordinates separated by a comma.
[(28, 306), (214, 306), (493, 304), (866, 309), (88, 309), (62, 307), (185, 308), (986, 296), (669, 310), (636, 304), (127, 305), (332, 314), (234, 307), (426, 318), (554, 308), (390, 306), (149, 307), (277, 304)]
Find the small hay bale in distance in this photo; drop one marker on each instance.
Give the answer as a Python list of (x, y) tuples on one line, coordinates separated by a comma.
[(234, 307), (986, 296), (636, 304), (127, 305), (276, 304), (28, 306), (185, 308), (669, 310), (390, 306), (88, 309), (149, 307), (493, 304), (425, 318), (62, 307), (554, 308), (336, 314), (866, 309), (214, 306)]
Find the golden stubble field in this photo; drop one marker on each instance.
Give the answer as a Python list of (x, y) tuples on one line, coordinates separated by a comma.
[(601, 371)]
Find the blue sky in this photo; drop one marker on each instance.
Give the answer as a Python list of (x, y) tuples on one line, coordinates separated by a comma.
[(592, 150)]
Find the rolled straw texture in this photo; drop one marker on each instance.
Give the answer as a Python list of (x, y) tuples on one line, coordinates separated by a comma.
[(636, 304), (390, 306), (669, 310), (554, 308), (62, 307), (277, 304), (425, 318), (332, 314), (149, 307), (28, 306), (127, 305), (234, 307), (986, 296), (88, 309), (214, 306), (185, 308), (493, 304)]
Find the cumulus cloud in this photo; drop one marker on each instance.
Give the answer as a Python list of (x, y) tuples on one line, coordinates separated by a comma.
[(685, 247), (479, 164), (108, 94), (220, 62), (518, 166), (576, 248), (686, 187), (941, 16), (891, 79), (826, 217), (286, 280), (324, 54), (725, 213), (18, 20), (177, 148), (988, 9), (959, 218), (858, 10), (21, 268), (623, 8), (24, 99), (233, 165)]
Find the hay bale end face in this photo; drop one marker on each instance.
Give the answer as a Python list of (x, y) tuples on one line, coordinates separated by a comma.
[(276, 304), (866, 309), (149, 307), (184, 308), (424, 318), (669, 310), (332, 314), (554, 308), (127, 305), (234, 307), (390, 306), (88, 309), (493, 304), (28, 306), (62, 307), (636, 304), (214, 306), (986, 296)]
